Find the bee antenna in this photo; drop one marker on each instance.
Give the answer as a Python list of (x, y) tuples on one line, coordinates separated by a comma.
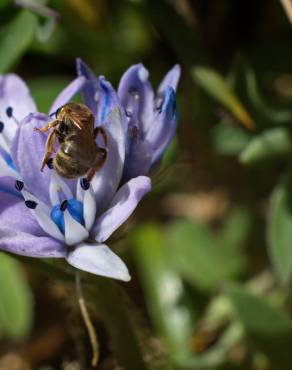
[(56, 111), (53, 114)]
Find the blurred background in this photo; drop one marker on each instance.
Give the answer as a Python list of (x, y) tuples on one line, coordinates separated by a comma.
[(210, 249)]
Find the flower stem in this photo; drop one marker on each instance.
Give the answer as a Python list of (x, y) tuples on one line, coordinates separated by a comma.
[(87, 321)]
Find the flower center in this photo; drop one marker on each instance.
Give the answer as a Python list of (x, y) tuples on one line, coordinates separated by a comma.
[(75, 209)]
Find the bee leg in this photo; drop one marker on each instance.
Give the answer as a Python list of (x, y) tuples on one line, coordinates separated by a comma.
[(90, 174), (101, 158), (49, 149), (48, 126), (102, 132)]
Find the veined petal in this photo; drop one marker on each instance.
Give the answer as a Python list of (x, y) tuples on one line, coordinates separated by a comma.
[(68, 93), (164, 126), (14, 96), (7, 170), (27, 150), (74, 231), (56, 185), (107, 179), (42, 215), (99, 95), (98, 259), (171, 79), (90, 88), (107, 100), (89, 204), (121, 207), (21, 234), (29, 245), (138, 161), (7, 187), (136, 96)]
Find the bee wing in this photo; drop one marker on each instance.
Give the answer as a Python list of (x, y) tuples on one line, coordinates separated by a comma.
[(76, 121)]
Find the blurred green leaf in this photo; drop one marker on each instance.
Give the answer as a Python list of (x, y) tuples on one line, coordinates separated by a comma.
[(229, 140), (215, 85), (15, 299), (176, 31), (164, 291), (236, 228), (15, 38), (45, 90), (279, 229), (269, 328), (270, 113), (110, 303), (200, 257), (271, 143), (3, 3)]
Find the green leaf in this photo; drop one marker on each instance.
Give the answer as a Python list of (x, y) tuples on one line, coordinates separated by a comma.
[(176, 31), (15, 38), (164, 291), (272, 143), (268, 328), (229, 140), (15, 299), (277, 116), (279, 229), (45, 97), (4, 3), (236, 228), (203, 259), (215, 85), (110, 304)]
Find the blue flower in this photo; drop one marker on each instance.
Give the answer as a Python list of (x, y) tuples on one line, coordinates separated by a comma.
[(151, 121), (44, 215)]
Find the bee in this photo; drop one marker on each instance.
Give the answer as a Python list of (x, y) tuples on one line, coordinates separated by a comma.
[(78, 153)]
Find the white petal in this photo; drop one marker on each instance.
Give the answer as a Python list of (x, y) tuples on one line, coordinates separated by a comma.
[(74, 231), (42, 215), (79, 192), (89, 208), (28, 196), (59, 183), (99, 260), (47, 224)]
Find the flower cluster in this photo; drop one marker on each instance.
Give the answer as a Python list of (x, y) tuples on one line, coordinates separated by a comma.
[(44, 215)]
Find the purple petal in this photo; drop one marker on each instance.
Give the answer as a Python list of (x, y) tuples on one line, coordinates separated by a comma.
[(164, 126), (90, 87), (107, 101), (121, 207), (68, 93), (136, 96), (98, 259), (13, 94), (27, 150), (21, 234), (7, 187), (107, 179), (99, 94), (138, 159), (170, 79)]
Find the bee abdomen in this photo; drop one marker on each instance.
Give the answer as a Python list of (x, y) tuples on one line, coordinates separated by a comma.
[(67, 166)]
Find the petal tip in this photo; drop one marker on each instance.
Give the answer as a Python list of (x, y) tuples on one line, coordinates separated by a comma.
[(143, 73)]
